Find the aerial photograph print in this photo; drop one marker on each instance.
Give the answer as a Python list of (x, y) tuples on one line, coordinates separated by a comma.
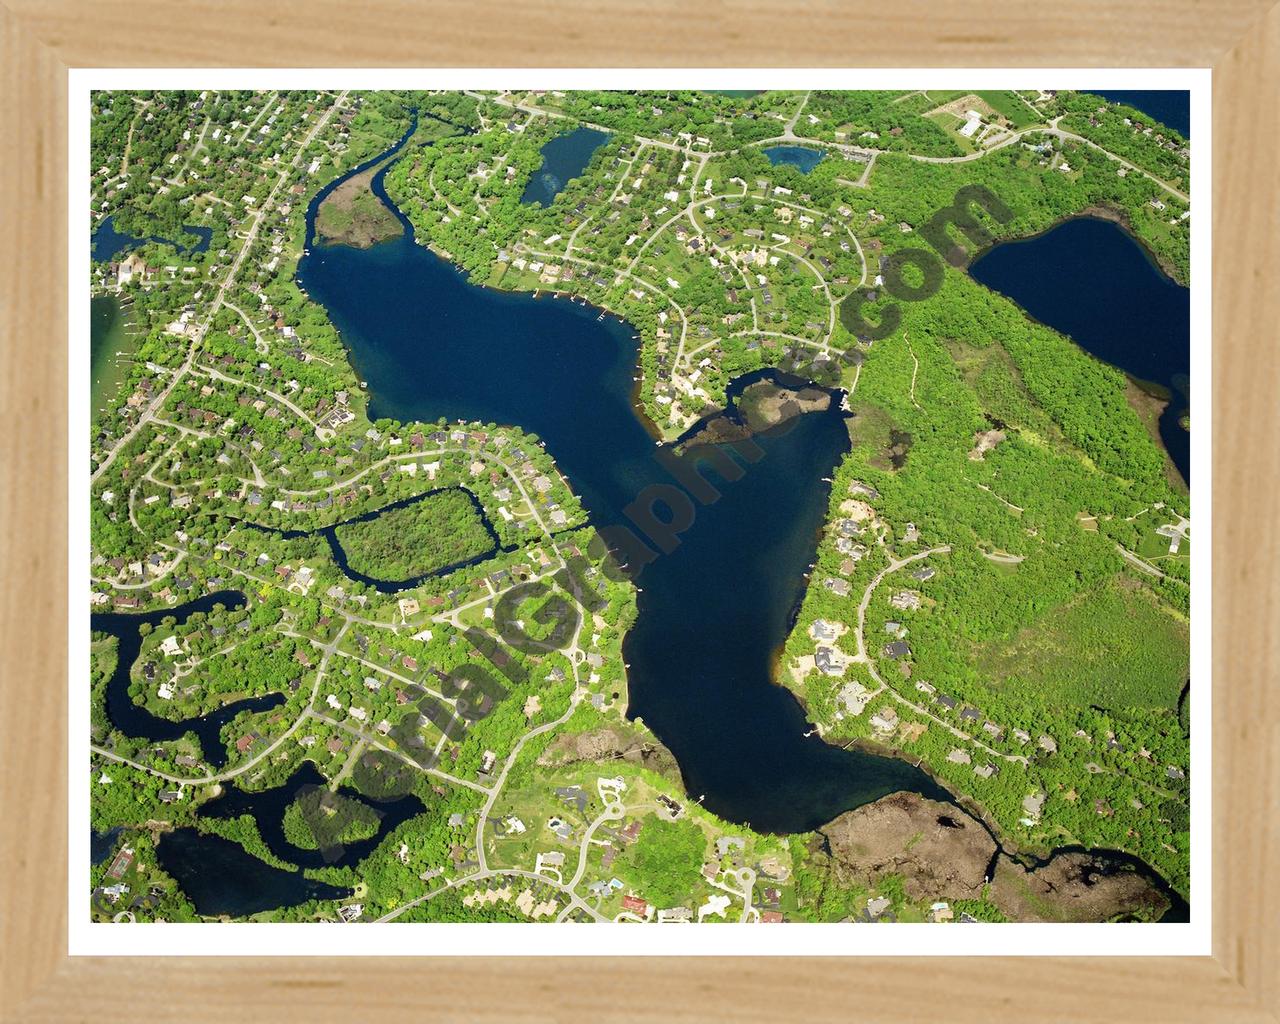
[(635, 507)]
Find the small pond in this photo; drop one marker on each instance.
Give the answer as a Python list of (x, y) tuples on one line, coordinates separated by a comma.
[(803, 157), (108, 243), (563, 159)]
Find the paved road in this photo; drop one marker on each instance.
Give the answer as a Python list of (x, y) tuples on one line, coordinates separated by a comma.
[(894, 565), (1061, 133), (327, 651), (163, 396), (1146, 567)]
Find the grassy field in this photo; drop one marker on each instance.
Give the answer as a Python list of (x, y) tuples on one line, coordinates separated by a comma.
[(353, 215), (1155, 548), (1114, 648), (1008, 103)]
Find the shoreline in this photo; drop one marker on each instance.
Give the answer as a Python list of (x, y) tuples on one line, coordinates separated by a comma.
[(1150, 390), (108, 376), (1094, 211), (963, 801), (1150, 401), (1026, 857)]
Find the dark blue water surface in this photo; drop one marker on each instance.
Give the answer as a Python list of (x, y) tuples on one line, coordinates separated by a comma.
[(1092, 280), (219, 877), (563, 159), (715, 605), (797, 156), (136, 721), (103, 844), (268, 806), (713, 611), (1170, 107), (108, 243)]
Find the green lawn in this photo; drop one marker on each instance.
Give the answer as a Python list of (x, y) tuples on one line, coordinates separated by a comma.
[(1011, 105), (1155, 548)]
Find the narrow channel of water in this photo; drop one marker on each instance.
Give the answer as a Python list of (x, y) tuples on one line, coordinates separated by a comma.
[(330, 534), (268, 806), (131, 718), (108, 243)]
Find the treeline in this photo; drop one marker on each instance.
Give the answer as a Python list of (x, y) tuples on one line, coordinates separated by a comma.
[(666, 860), (1143, 141), (897, 126), (726, 121), (1084, 396)]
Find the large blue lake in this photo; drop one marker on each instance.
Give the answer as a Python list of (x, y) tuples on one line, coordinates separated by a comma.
[(714, 611), (1090, 279), (563, 159)]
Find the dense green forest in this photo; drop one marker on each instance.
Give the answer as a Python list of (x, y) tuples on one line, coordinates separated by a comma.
[(442, 529), (305, 818), (668, 855)]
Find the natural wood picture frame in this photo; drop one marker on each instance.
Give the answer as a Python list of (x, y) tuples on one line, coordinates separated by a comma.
[(42, 39)]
